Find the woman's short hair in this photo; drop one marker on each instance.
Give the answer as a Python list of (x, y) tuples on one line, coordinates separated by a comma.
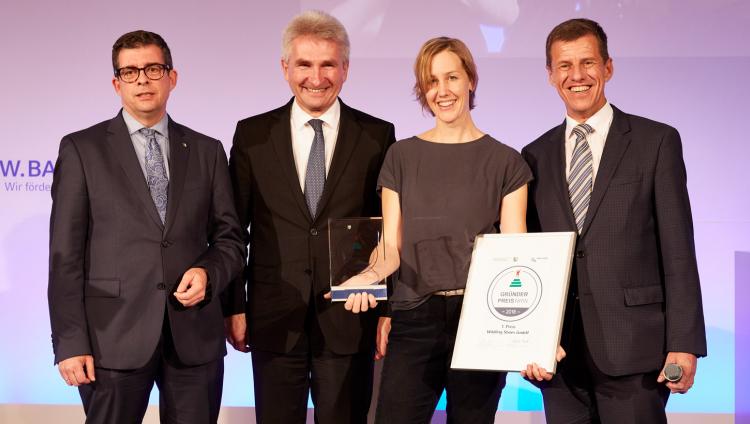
[(423, 65)]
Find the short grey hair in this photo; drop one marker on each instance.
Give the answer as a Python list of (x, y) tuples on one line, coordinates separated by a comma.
[(318, 24)]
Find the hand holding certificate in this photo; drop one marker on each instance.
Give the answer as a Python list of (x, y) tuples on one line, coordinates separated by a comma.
[(514, 302)]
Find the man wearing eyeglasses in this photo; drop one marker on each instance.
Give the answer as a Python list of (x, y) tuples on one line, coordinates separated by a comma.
[(143, 238)]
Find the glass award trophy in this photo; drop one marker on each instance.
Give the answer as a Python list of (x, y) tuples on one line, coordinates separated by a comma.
[(353, 249)]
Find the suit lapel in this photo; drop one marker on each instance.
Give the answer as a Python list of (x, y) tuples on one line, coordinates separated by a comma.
[(349, 132), (558, 168), (119, 141), (281, 139), (179, 151), (614, 148)]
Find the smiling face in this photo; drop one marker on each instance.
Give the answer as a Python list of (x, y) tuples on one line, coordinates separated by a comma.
[(450, 88), (579, 73), (144, 99), (316, 71)]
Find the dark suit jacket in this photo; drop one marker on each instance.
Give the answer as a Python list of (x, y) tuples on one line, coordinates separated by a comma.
[(288, 262), (114, 266), (634, 265)]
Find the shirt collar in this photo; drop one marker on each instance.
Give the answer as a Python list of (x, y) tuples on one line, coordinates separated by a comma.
[(300, 118), (600, 121), (134, 126)]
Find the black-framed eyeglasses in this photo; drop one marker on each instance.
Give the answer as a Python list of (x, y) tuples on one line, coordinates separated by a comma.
[(154, 71)]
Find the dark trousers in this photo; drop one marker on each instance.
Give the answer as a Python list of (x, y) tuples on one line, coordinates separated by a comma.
[(187, 394), (340, 385), (581, 393), (417, 369)]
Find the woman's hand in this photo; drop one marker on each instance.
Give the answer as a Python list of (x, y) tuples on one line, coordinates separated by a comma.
[(534, 372), (381, 342)]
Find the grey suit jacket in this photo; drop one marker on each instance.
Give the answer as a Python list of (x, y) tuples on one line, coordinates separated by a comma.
[(114, 265), (634, 267)]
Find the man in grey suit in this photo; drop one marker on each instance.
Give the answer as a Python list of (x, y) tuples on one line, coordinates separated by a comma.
[(619, 181), (143, 238)]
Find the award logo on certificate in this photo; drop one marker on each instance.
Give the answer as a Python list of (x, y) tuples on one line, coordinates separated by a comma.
[(353, 248), (514, 301)]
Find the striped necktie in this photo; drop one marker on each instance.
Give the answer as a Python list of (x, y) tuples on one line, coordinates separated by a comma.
[(315, 176), (156, 173), (580, 179)]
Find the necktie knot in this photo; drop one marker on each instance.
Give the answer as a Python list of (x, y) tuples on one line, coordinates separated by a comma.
[(148, 132), (582, 130), (317, 125)]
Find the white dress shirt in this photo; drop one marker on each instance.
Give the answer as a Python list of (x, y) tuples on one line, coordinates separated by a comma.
[(303, 134), (600, 122)]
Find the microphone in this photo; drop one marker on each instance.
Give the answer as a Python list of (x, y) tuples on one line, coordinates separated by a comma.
[(672, 372)]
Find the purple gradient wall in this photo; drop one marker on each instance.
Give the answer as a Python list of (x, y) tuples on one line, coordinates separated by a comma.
[(742, 347), (681, 62)]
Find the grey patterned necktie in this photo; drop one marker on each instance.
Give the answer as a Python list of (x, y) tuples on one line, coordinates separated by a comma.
[(315, 176), (156, 173), (580, 179)]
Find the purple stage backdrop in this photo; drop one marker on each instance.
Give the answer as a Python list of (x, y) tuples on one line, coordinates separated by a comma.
[(681, 62)]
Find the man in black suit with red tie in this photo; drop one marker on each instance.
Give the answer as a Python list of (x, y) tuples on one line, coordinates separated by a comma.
[(619, 181), (293, 168), (143, 238)]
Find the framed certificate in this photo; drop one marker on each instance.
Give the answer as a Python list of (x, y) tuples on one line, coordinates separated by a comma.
[(514, 301), (353, 248)]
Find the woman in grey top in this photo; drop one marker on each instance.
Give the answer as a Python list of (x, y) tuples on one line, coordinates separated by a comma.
[(440, 190)]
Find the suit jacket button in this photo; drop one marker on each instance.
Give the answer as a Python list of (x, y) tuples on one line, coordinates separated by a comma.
[(313, 231), (166, 243), (580, 254), (161, 286)]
